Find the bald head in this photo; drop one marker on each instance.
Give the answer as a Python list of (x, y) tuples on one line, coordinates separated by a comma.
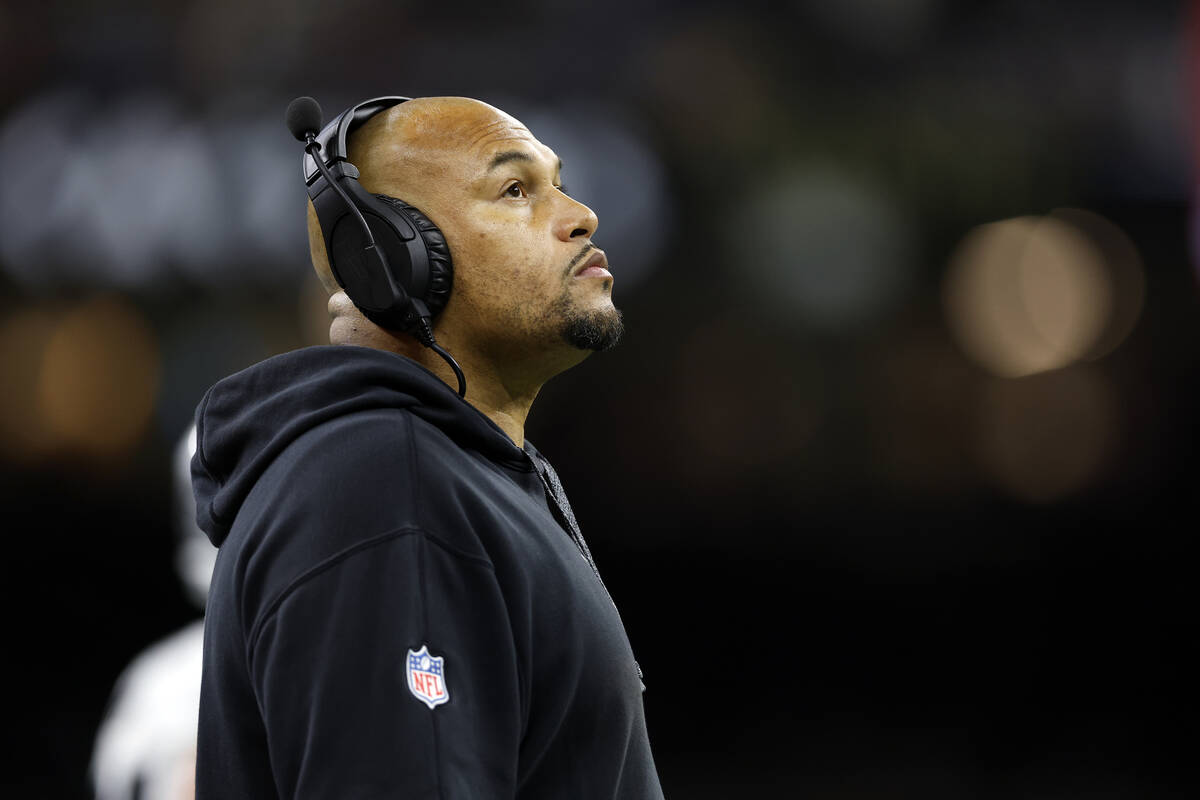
[(410, 146), (411, 151)]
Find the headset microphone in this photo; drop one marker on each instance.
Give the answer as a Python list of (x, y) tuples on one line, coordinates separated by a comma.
[(402, 292), (304, 119)]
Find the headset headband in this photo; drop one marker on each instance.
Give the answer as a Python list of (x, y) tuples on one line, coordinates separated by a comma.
[(333, 138)]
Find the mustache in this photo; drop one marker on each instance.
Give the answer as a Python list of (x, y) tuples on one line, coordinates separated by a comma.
[(589, 247)]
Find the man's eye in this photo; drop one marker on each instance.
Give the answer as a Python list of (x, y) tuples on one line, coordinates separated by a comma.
[(515, 190)]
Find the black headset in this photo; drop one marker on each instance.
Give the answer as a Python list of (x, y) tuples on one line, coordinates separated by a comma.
[(407, 280)]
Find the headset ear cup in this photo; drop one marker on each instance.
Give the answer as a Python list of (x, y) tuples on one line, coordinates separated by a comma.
[(441, 268)]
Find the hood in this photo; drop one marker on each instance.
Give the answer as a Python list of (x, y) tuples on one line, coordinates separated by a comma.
[(246, 420)]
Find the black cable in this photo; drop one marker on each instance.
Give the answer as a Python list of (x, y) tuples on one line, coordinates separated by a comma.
[(425, 335), (311, 148)]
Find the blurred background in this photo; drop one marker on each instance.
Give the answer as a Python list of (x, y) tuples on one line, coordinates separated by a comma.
[(893, 474)]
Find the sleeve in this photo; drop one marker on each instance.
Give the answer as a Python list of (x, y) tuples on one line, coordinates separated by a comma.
[(351, 707)]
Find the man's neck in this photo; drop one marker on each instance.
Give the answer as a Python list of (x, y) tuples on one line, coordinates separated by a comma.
[(500, 397), (505, 403)]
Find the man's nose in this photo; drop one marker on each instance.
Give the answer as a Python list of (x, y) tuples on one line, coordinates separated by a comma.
[(577, 220)]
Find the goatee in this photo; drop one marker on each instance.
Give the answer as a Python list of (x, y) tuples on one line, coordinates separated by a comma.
[(593, 330)]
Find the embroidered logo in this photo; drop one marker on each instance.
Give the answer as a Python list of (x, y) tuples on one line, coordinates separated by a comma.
[(427, 677)]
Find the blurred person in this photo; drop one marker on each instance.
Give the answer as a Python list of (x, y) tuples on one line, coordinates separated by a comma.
[(403, 604), (145, 748)]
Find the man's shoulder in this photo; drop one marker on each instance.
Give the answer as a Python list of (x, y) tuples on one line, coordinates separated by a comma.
[(377, 442), (378, 469), (346, 484)]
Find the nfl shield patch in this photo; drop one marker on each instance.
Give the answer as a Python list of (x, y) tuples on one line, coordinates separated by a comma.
[(427, 677)]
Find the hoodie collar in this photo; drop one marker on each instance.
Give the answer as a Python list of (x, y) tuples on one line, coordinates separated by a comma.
[(246, 420)]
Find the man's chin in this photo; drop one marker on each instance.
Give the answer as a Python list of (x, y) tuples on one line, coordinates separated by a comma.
[(597, 330)]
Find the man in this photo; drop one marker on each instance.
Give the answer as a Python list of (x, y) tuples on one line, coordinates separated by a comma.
[(402, 604)]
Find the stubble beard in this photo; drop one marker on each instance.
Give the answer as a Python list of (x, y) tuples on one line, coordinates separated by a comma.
[(596, 330)]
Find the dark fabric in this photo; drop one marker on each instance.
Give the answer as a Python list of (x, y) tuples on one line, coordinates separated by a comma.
[(364, 511), (566, 517)]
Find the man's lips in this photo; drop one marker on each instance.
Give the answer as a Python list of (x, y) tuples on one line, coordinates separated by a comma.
[(594, 267)]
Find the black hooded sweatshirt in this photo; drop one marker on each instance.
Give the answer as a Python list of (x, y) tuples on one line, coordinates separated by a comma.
[(402, 604)]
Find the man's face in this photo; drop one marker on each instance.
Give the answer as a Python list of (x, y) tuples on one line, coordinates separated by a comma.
[(527, 277)]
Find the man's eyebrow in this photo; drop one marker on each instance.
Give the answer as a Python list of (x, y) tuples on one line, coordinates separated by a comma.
[(507, 156), (513, 155)]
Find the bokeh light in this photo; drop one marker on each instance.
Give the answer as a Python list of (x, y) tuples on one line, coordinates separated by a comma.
[(1032, 294), (98, 379), (1124, 269), (820, 247)]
